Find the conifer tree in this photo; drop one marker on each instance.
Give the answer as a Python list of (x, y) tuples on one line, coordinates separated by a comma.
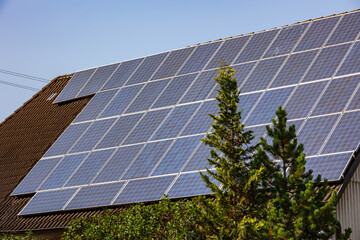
[(230, 158), (296, 208)]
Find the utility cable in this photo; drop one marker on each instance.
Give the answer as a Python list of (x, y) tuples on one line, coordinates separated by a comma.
[(38, 79), (19, 86)]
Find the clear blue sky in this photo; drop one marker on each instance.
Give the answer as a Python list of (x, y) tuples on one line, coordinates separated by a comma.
[(47, 38)]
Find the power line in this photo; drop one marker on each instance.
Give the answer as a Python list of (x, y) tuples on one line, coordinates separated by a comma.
[(19, 86), (38, 79)]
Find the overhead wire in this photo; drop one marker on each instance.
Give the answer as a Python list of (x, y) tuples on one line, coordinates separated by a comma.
[(38, 79), (19, 86)]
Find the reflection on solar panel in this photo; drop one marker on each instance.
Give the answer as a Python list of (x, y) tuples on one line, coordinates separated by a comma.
[(138, 138)]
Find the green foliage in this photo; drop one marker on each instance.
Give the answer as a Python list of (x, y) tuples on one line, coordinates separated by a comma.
[(296, 208), (164, 220), (12, 237)]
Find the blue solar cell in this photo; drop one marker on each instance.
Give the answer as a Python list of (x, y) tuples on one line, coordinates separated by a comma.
[(314, 133), (326, 63), (188, 185), (48, 201), (122, 74), (317, 33), (36, 176), (175, 121), (263, 74), (73, 87), (201, 87), (336, 95), (352, 61), (257, 46), (173, 62), (63, 171), (147, 68), (89, 168), (201, 121), (118, 163), (355, 102), (92, 135), (67, 139), (178, 154), (146, 161), (121, 101), (329, 167), (99, 78), (346, 134), (347, 29), (95, 106), (303, 99), (199, 58), (119, 131), (294, 69), (149, 189), (147, 126), (147, 96), (95, 196), (174, 91), (228, 51), (286, 40), (265, 109), (198, 160)]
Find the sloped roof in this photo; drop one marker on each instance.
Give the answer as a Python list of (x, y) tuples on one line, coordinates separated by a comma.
[(24, 138)]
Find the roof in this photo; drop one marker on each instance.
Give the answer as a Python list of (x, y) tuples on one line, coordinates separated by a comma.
[(29, 133)]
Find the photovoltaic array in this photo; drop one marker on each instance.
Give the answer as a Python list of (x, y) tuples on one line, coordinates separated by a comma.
[(138, 138)]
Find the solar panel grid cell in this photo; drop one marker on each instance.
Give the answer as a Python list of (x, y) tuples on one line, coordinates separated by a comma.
[(95, 106), (176, 121), (63, 171), (91, 137), (175, 158), (263, 74), (48, 201), (294, 69), (303, 99), (198, 160), (336, 95), (36, 176), (121, 101), (147, 159), (347, 30), (327, 62), (352, 61), (147, 96), (89, 168), (73, 87), (67, 139), (122, 74), (94, 196), (97, 80), (172, 63), (257, 46), (228, 51), (150, 189), (199, 58), (314, 133), (317, 34), (286, 40), (118, 163), (344, 137), (174, 91), (147, 68)]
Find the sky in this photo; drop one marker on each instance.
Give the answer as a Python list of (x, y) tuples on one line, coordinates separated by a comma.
[(46, 39)]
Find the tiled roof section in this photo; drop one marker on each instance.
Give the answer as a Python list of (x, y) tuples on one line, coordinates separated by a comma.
[(24, 138)]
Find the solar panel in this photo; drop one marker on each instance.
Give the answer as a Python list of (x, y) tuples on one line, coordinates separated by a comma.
[(138, 138)]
